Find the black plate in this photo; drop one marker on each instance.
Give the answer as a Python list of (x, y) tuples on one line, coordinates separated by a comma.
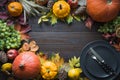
[(91, 68)]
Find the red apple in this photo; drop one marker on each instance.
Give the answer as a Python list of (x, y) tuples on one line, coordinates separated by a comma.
[(12, 53), (73, 3)]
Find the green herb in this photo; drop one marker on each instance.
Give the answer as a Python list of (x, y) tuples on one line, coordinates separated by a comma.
[(110, 27)]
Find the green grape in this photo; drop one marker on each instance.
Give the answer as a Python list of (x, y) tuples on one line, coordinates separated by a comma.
[(1, 44), (8, 47), (2, 34), (9, 37)]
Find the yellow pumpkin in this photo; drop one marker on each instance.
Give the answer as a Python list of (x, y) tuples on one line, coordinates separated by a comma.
[(61, 9), (48, 70)]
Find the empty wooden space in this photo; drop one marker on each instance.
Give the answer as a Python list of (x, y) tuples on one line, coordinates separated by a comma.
[(66, 39)]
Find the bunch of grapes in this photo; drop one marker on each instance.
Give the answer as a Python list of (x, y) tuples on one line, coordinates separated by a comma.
[(9, 37)]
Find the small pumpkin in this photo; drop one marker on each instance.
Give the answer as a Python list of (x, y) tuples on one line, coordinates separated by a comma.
[(15, 8), (48, 70), (102, 10), (26, 65), (61, 9)]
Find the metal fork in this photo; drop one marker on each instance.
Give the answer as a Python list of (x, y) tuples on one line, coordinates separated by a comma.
[(104, 66)]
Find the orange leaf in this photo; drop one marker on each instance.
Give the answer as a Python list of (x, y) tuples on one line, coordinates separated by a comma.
[(17, 27), (23, 30), (25, 36)]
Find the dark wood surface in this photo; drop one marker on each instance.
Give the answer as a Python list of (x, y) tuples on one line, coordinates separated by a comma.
[(66, 39)]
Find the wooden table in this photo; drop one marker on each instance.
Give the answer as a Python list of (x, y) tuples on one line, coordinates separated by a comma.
[(66, 39)]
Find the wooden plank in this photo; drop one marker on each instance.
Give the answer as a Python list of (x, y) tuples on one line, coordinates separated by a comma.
[(64, 37), (64, 42)]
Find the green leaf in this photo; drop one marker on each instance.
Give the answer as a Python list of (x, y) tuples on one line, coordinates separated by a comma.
[(77, 18), (69, 19), (53, 19), (45, 19)]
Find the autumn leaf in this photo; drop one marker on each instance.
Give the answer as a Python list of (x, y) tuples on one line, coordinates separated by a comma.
[(116, 46), (23, 30), (57, 59), (69, 19), (107, 36), (3, 15), (53, 19), (77, 18), (43, 18), (29, 46), (89, 23)]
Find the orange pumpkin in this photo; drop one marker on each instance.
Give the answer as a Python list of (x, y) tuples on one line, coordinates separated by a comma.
[(102, 10), (26, 65), (15, 8)]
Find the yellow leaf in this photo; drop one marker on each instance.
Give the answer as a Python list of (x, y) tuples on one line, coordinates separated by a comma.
[(53, 19)]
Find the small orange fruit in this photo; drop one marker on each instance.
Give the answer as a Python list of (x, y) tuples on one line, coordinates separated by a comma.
[(15, 8)]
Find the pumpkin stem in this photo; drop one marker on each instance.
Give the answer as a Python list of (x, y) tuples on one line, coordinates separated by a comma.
[(48, 71), (109, 2), (21, 66), (60, 6)]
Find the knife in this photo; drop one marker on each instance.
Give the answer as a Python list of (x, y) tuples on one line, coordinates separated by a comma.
[(108, 69)]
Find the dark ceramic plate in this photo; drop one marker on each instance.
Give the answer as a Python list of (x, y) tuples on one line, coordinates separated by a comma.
[(91, 68)]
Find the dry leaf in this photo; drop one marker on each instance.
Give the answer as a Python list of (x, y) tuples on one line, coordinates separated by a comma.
[(89, 23), (116, 46), (34, 48), (25, 46), (43, 57), (23, 30), (57, 59), (29, 46), (3, 57), (32, 43)]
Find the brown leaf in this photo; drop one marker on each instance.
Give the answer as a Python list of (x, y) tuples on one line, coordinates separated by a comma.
[(25, 36), (29, 46), (23, 30), (34, 48), (25, 46), (116, 46), (106, 36), (89, 23), (32, 43), (17, 27)]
